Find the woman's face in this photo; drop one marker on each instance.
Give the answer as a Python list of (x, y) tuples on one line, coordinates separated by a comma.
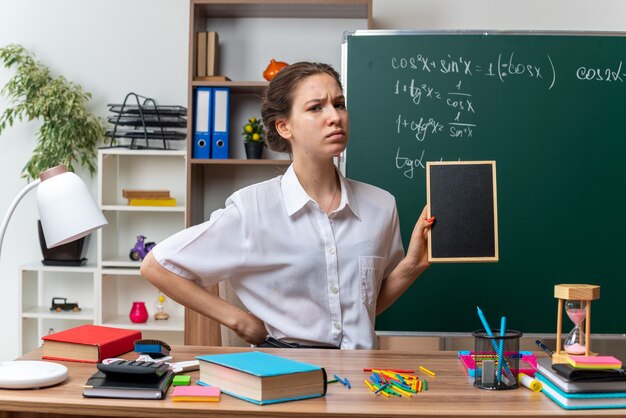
[(318, 125)]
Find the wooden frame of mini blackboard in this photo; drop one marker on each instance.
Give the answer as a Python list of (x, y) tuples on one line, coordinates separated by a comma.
[(466, 214)]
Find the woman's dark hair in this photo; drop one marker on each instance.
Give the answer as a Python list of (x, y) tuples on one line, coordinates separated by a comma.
[(279, 98)]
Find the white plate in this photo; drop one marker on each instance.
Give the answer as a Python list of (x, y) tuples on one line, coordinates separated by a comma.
[(30, 374)]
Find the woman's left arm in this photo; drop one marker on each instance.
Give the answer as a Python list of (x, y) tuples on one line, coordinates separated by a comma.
[(411, 266)]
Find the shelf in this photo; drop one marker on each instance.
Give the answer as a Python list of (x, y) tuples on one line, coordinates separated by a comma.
[(209, 161), (236, 87), (44, 312), (120, 262), (326, 9), (143, 152), (39, 266), (126, 208), (174, 323)]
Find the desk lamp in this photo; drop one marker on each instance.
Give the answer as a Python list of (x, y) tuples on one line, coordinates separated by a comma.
[(67, 212), (577, 299)]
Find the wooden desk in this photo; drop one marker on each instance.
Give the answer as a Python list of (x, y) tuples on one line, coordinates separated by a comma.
[(450, 393)]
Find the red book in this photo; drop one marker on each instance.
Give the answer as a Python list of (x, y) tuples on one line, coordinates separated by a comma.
[(89, 343)]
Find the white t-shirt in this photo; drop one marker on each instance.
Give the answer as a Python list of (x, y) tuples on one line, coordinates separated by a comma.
[(312, 277)]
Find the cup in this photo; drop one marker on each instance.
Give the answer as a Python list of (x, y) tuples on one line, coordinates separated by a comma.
[(497, 359)]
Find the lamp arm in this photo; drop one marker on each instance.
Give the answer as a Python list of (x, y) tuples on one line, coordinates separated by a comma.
[(14, 204)]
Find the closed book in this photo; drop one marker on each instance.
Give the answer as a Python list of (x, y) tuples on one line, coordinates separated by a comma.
[(613, 382), (145, 194), (89, 343), (581, 400), (152, 202), (101, 386), (196, 394), (262, 378), (201, 50), (211, 53)]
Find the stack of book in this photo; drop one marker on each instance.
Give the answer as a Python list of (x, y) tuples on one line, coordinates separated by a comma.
[(148, 197), (580, 385), (206, 57)]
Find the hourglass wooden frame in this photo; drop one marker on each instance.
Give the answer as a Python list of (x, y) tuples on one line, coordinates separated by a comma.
[(562, 292)]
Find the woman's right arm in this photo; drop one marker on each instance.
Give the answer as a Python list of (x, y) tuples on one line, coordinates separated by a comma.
[(192, 295)]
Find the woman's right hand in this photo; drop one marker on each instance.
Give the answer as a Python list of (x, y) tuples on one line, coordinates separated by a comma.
[(251, 329)]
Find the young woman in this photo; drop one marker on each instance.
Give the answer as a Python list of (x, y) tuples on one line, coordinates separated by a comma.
[(312, 255)]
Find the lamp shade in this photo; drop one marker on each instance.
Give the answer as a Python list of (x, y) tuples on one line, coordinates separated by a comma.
[(66, 208)]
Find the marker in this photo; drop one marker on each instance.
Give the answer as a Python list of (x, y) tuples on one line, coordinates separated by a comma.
[(544, 347)]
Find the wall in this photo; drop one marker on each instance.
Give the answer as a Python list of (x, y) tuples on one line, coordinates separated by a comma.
[(117, 46), (109, 47)]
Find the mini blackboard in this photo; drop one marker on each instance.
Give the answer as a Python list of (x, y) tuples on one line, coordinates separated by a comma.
[(462, 198)]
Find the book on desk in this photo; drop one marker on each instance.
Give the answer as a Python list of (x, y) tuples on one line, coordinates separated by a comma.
[(101, 386), (595, 389), (262, 378)]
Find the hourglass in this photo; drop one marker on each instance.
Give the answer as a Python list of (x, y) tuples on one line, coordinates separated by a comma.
[(577, 299)]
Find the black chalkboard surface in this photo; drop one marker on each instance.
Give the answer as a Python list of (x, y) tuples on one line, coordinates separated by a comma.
[(463, 195), (551, 110)]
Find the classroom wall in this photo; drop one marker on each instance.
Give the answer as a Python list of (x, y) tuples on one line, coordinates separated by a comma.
[(112, 47)]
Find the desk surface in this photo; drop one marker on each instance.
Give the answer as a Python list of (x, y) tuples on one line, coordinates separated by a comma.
[(450, 393)]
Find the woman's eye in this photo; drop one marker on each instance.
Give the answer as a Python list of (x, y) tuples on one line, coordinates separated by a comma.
[(316, 107), (340, 105)]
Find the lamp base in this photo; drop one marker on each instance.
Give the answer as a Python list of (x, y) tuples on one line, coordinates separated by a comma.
[(64, 263), (70, 254)]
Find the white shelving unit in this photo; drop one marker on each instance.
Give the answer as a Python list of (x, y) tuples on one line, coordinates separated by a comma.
[(39, 284), (106, 288), (119, 283)]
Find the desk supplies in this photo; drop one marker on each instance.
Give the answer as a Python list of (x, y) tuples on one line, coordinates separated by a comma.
[(100, 385), (181, 380), (501, 348), (582, 400), (133, 369), (594, 362), (527, 361), (88, 343), (544, 347), (153, 348), (577, 300), (571, 380), (487, 346), (509, 376), (527, 381), (262, 378), (196, 394), (425, 370)]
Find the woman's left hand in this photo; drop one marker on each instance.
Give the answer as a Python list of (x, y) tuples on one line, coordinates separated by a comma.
[(417, 253)]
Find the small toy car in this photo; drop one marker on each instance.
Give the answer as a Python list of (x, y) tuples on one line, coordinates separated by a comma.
[(61, 304)]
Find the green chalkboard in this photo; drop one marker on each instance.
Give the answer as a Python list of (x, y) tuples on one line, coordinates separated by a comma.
[(550, 109)]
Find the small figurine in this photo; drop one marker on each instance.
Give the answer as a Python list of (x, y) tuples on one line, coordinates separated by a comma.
[(160, 313), (141, 249), (273, 68), (61, 304)]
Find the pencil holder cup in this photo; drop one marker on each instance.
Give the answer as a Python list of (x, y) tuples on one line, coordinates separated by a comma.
[(497, 360)]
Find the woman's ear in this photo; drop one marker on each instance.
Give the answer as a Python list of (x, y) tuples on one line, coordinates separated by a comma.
[(282, 127)]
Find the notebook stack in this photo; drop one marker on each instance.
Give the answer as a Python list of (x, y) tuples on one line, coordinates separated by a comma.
[(593, 382)]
